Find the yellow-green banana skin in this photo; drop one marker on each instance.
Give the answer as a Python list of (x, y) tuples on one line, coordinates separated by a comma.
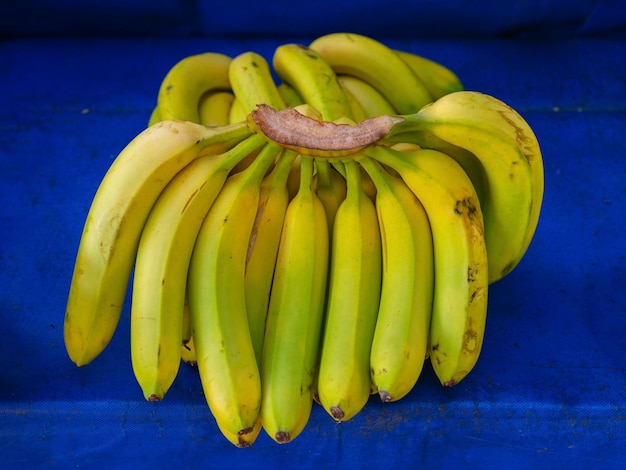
[(224, 350), (294, 323), (354, 291), (438, 79), (111, 233), (460, 255), (160, 277)]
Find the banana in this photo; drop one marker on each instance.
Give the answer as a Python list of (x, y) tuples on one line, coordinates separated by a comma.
[(438, 79), (226, 362), (499, 167), (289, 95), (460, 256), (377, 64), (295, 316), (113, 226), (242, 440), (302, 69), (252, 82), (343, 382), (188, 353), (160, 277), (237, 111), (372, 102), (263, 247), (214, 108), (330, 187), (400, 340), (187, 81), (155, 116)]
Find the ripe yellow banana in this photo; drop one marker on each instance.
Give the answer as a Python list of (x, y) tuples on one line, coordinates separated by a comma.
[(188, 353), (301, 68), (399, 345), (438, 79), (187, 81), (263, 247), (371, 100), (498, 165), (237, 111), (294, 321), (460, 256), (377, 64), (163, 254), (290, 95), (343, 383), (252, 82), (113, 226), (214, 108), (226, 361)]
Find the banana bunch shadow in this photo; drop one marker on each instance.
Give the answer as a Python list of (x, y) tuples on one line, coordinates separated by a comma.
[(312, 240)]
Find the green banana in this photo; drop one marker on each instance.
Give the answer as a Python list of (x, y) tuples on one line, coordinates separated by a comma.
[(438, 79)]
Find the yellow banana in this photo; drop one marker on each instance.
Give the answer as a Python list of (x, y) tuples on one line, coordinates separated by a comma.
[(188, 353), (214, 108), (252, 82), (496, 162), (372, 102), (399, 345), (438, 79), (160, 277), (343, 383), (295, 316), (460, 256), (301, 68), (113, 226), (289, 95), (330, 187), (225, 355), (263, 247), (377, 64), (237, 111), (187, 81), (242, 440)]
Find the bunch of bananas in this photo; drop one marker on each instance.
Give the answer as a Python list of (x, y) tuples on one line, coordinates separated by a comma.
[(314, 239)]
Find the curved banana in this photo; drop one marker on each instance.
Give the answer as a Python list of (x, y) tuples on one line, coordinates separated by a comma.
[(289, 95), (400, 340), (497, 164), (113, 226), (295, 316), (301, 68), (330, 187), (160, 277), (377, 64), (251, 80), (438, 79), (226, 361), (460, 256), (263, 247), (343, 382), (186, 82), (214, 108), (372, 102), (237, 111)]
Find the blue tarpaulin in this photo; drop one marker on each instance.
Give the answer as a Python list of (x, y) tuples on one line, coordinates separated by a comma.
[(78, 81)]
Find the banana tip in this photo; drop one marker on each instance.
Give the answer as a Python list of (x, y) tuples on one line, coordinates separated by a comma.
[(282, 437), (385, 396)]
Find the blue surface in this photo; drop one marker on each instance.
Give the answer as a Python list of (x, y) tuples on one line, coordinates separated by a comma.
[(550, 387)]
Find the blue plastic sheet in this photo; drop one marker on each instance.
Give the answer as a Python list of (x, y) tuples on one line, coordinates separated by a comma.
[(550, 386)]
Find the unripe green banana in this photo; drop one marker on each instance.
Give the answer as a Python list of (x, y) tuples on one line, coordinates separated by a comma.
[(294, 322), (460, 256), (225, 354), (187, 81), (163, 254), (354, 292), (399, 346), (377, 64), (108, 245)]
